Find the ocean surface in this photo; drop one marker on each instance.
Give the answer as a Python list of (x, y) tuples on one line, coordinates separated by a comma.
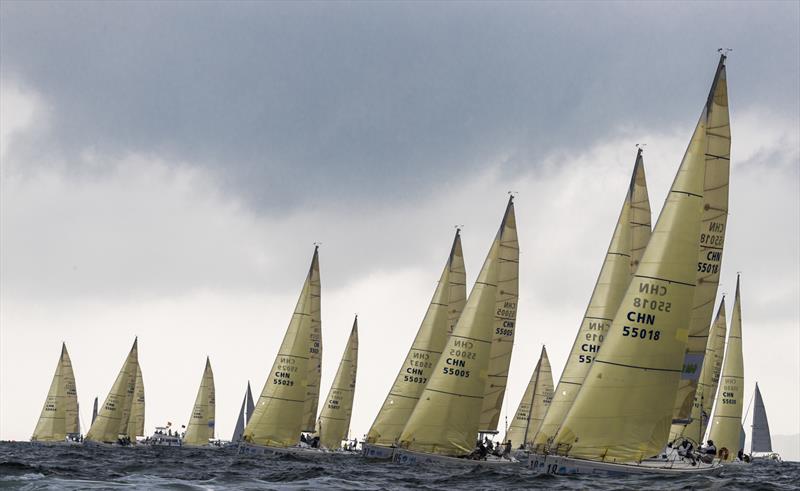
[(27, 466)]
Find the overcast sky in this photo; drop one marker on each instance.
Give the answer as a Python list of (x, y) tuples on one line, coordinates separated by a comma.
[(167, 167)]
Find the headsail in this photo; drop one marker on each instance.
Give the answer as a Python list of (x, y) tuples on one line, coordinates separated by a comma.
[(628, 242), (334, 419), (533, 405), (108, 425), (314, 346), (761, 439), (278, 417), (442, 314), (624, 408), (136, 420), (59, 416), (94, 410), (447, 416), (711, 239), (201, 423), (727, 419), (709, 380)]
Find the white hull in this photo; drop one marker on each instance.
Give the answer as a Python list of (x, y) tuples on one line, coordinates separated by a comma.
[(563, 466), (402, 456), (372, 451), (251, 449)]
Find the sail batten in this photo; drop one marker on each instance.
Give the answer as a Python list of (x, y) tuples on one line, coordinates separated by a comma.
[(334, 419), (628, 241), (443, 312), (450, 410)]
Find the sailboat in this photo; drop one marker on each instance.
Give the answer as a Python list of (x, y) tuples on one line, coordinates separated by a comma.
[(443, 312), (532, 407), (333, 424), (727, 421), (761, 441), (623, 412), (200, 430), (244, 415), (711, 241), (279, 415), (111, 424), (450, 412), (628, 242), (59, 422)]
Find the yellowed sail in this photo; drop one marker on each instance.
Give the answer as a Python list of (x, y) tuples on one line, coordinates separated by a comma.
[(109, 424), (505, 319), (447, 416), (727, 422), (709, 380), (533, 405), (59, 416), (442, 314), (201, 423), (711, 239), (278, 417), (136, 419), (623, 411), (334, 419), (314, 347), (628, 242)]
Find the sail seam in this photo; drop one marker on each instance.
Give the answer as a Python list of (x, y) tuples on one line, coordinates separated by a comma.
[(638, 367), (454, 393), (664, 279)]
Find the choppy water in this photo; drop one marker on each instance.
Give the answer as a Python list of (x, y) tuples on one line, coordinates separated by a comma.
[(26, 466)]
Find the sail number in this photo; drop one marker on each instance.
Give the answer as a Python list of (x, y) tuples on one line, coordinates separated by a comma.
[(455, 371), (635, 332), (707, 268), (276, 381), (659, 305), (416, 380)]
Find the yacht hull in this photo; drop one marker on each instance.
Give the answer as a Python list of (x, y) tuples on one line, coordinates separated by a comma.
[(408, 457), (564, 466)]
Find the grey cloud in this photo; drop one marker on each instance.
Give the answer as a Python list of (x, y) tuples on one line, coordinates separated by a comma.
[(298, 103)]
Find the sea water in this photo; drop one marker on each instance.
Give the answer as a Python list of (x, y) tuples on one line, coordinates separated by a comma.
[(29, 466)]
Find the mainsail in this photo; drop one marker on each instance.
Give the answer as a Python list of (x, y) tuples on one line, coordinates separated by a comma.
[(533, 405), (244, 415), (314, 347), (709, 380), (59, 416), (447, 416), (711, 239), (278, 417), (761, 440), (136, 419), (201, 423), (628, 242), (727, 419), (108, 426), (442, 314), (334, 419), (624, 408)]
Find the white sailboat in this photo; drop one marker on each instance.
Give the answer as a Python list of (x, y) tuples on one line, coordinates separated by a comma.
[(532, 407), (279, 415), (628, 242), (449, 414), (59, 422), (244, 415), (760, 439), (443, 312), (622, 414), (200, 430)]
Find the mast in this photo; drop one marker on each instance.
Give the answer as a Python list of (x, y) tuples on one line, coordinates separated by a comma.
[(443, 312)]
